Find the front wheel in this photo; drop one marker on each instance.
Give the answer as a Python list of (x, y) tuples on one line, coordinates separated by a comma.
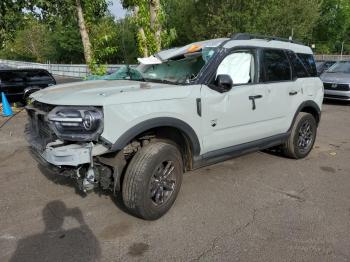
[(302, 137), (152, 180)]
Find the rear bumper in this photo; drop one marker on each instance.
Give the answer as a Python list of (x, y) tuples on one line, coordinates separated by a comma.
[(337, 95)]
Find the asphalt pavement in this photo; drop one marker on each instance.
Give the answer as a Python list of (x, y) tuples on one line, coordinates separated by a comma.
[(259, 207)]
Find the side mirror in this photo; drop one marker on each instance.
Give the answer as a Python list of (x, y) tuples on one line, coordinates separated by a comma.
[(224, 82)]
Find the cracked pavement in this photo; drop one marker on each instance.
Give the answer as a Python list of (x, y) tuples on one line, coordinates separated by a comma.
[(259, 207)]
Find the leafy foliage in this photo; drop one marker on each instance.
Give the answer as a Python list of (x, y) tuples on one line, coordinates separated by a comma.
[(47, 30), (11, 18), (142, 19), (333, 27), (204, 19)]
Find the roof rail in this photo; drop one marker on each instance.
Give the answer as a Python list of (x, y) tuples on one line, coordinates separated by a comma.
[(247, 36)]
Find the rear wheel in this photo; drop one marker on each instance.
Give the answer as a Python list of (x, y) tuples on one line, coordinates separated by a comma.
[(302, 137), (152, 180)]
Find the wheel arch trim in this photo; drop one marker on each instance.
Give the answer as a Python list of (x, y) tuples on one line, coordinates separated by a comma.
[(307, 104), (142, 127)]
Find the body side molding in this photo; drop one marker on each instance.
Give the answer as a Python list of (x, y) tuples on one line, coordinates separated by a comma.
[(220, 155)]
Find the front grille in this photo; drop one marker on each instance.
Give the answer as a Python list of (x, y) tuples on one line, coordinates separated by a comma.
[(38, 132), (337, 87), (336, 97), (42, 107)]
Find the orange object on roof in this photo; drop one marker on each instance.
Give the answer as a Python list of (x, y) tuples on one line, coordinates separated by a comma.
[(194, 48)]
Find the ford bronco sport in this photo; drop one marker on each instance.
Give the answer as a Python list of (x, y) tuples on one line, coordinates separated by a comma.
[(179, 110)]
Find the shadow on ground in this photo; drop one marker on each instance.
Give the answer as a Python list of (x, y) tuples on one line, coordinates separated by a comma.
[(57, 244)]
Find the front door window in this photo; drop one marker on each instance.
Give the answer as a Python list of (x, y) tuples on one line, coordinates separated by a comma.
[(238, 66)]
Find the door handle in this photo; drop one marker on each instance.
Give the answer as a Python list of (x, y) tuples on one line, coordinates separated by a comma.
[(252, 98), (199, 106), (293, 93)]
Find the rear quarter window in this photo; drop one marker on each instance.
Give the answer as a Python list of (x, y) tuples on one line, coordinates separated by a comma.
[(299, 70), (42, 76), (309, 63)]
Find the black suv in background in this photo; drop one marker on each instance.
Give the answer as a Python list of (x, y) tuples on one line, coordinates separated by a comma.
[(18, 84)]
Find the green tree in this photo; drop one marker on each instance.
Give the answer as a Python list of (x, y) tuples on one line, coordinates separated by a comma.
[(149, 18), (333, 26), (30, 43), (197, 20), (11, 19), (80, 13)]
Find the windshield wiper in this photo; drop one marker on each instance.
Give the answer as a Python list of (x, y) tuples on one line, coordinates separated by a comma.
[(129, 73), (163, 81)]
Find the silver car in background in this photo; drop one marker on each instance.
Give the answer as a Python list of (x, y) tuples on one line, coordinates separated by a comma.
[(336, 81)]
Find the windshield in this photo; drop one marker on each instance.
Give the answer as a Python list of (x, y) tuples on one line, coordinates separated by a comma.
[(340, 67), (124, 73), (178, 70)]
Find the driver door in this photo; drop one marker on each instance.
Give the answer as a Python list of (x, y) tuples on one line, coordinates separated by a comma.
[(229, 118)]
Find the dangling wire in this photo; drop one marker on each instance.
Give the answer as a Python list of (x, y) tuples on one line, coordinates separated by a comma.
[(8, 119)]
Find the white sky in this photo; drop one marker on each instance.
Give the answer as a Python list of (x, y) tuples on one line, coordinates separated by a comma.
[(117, 9)]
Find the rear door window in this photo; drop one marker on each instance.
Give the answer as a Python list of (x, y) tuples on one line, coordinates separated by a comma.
[(276, 66), (12, 77)]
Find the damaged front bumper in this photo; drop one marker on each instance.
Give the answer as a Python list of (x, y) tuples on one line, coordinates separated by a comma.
[(76, 159), (58, 154)]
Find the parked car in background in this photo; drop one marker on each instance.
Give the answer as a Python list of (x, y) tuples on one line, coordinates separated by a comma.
[(336, 81), (322, 66), (18, 84), (3, 66)]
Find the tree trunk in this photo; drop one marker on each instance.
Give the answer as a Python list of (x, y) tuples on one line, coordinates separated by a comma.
[(154, 8), (84, 33), (142, 42)]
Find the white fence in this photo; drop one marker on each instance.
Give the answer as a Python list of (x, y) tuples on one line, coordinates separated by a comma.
[(82, 70), (332, 57), (57, 69)]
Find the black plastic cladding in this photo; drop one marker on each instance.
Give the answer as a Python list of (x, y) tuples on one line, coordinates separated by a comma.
[(158, 122)]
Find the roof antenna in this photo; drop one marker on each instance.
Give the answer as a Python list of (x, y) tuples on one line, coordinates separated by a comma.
[(291, 37)]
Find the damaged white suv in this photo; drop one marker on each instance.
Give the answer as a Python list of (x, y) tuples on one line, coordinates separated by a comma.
[(179, 110)]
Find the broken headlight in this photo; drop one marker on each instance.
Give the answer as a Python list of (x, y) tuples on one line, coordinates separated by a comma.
[(76, 123)]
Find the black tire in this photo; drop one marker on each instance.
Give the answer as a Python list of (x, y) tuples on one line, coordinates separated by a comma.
[(144, 184), (302, 137)]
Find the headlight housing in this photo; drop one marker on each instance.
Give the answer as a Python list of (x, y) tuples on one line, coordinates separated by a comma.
[(76, 123)]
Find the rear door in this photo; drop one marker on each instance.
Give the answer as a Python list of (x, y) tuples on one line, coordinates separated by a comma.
[(276, 86)]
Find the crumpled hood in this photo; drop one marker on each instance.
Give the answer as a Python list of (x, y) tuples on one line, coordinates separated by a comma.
[(106, 92), (341, 78)]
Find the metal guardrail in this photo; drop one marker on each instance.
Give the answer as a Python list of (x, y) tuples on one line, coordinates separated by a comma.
[(71, 70), (332, 57), (81, 70)]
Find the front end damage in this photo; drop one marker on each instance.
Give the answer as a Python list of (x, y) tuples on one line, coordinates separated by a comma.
[(66, 141)]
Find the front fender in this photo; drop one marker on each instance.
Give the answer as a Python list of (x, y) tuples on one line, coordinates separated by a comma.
[(142, 127)]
